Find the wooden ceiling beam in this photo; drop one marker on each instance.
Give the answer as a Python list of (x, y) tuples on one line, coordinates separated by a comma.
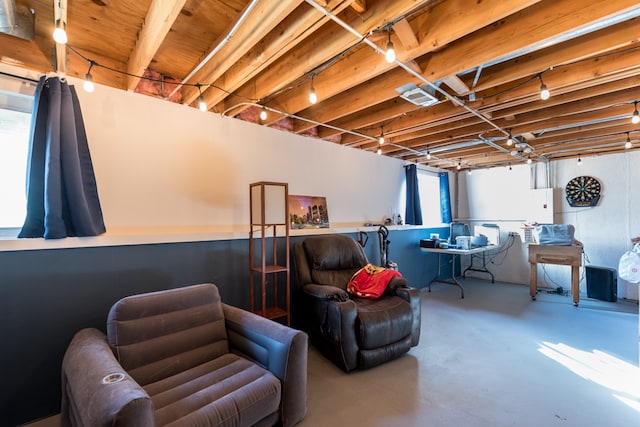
[(576, 49), (390, 109), (523, 30), (524, 97), (289, 33), (533, 121), (159, 20), (405, 34), (260, 21), (316, 50), (583, 131), (360, 66), (510, 35), (359, 6)]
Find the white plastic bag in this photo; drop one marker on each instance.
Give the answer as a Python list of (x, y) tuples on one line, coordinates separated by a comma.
[(629, 265)]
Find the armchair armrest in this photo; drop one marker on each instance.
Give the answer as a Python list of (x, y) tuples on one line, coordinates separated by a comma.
[(412, 296), (326, 292), (280, 349), (395, 283), (90, 397)]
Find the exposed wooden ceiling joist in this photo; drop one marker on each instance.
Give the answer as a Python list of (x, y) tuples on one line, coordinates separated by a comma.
[(489, 55)]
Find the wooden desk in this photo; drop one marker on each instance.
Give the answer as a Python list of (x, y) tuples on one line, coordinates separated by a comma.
[(553, 254), (456, 253)]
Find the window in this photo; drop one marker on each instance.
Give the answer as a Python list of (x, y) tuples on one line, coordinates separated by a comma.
[(429, 185), (16, 100)]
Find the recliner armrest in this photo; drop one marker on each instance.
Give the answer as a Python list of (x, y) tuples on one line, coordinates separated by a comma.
[(280, 349), (90, 400), (395, 283), (326, 292)]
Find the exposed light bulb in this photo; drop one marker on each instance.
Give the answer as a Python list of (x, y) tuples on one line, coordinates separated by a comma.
[(544, 92), (263, 114), (469, 171), (428, 155), (459, 166), (381, 139), (529, 161), (201, 104), (313, 98), (390, 56), (88, 83), (627, 144), (510, 141), (579, 161), (379, 151), (635, 118), (60, 34)]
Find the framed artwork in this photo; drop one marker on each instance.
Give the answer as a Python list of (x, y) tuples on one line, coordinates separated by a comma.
[(308, 212)]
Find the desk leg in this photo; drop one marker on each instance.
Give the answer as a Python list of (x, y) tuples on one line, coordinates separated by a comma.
[(451, 281), (575, 284), (533, 280), (484, 268)]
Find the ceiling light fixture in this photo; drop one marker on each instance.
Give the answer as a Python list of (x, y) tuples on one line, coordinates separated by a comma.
[(428, 155), (635, 118), (379, 151), (381, 139), (579, 160), (263, 114), (88, 79), (313, 98), (510, 139), (60, 33), (201, 104), (459, 165), (627, 144), (544, 92), (529, 161), (390, 56)]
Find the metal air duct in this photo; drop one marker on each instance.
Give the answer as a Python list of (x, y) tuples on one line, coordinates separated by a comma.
[(17, 20)]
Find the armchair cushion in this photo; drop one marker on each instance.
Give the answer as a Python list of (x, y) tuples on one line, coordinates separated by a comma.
[(214, 393)]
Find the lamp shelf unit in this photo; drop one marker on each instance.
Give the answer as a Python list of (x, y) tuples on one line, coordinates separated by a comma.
[(269, 268)]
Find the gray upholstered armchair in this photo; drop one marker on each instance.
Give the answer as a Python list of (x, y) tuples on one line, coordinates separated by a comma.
[(352, 332), (181, 357)]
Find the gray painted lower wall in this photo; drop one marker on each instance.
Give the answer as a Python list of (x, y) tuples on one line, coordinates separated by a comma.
[(46, 296)]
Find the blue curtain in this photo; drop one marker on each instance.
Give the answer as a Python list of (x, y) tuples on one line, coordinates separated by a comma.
[(62, 196), (445, 198), (413, 212)]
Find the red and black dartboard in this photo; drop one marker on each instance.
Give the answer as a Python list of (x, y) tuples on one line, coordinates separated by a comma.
[(583, 191)]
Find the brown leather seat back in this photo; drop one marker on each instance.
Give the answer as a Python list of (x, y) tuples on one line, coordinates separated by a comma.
[(333, 259)]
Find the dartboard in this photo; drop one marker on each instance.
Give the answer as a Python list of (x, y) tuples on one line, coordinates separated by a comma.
[(583, 191)]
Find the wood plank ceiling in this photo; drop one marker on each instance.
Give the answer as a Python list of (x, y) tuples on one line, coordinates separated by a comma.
[(479, 63)]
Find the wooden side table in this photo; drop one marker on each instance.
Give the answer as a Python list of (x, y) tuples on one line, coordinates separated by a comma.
[(554, 254)]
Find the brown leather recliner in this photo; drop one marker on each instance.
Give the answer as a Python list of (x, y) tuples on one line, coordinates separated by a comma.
[(354, 333)]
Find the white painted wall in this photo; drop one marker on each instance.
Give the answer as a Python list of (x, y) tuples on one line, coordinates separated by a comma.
[(605, 230), (160, 164)]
